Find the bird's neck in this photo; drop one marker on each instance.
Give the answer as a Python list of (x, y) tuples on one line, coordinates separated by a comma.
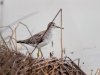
[(50, 29)]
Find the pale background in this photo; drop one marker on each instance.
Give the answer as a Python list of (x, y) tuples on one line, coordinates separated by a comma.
[(81, 20)]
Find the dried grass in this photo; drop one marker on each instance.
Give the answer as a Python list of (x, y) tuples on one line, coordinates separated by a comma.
[(13, 62)]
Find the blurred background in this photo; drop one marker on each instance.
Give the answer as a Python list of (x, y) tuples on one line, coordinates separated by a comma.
[(81, 20)]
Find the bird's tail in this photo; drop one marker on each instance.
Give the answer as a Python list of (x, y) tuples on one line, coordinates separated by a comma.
[(21, 41)]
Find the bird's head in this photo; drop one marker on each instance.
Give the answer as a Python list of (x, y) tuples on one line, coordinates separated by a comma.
[(52, 25)]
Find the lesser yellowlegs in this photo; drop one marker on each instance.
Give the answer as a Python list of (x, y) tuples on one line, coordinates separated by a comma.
[(35, 39)]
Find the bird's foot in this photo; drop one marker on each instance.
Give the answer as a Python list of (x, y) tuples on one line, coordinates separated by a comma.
[(40, 59)]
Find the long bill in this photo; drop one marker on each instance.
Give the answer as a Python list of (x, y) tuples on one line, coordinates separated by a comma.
[(59, 27)]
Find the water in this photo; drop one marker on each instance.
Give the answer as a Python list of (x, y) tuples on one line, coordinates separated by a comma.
[(80, 20)]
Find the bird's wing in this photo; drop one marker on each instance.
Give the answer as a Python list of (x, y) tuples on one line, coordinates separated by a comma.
[(35, 38)]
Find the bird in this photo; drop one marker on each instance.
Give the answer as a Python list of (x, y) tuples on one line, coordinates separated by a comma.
[(40, 38)]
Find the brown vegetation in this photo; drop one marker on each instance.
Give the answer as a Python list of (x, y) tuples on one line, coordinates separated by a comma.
[(14, 63)]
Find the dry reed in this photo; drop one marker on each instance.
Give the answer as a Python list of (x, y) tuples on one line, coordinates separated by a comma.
[(13, 62)]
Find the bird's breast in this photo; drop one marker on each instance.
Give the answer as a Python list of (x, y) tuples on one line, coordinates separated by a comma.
[(48, 36)]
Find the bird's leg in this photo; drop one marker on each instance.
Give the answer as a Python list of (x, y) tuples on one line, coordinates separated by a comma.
[(41, 58), (41, 52)]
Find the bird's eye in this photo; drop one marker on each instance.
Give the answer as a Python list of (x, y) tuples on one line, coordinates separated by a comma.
[(53, 24)]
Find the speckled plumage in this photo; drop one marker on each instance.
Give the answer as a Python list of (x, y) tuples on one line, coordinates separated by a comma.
[(35, 39)]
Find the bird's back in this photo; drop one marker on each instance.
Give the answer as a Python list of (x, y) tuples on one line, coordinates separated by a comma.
[(34, 39)]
